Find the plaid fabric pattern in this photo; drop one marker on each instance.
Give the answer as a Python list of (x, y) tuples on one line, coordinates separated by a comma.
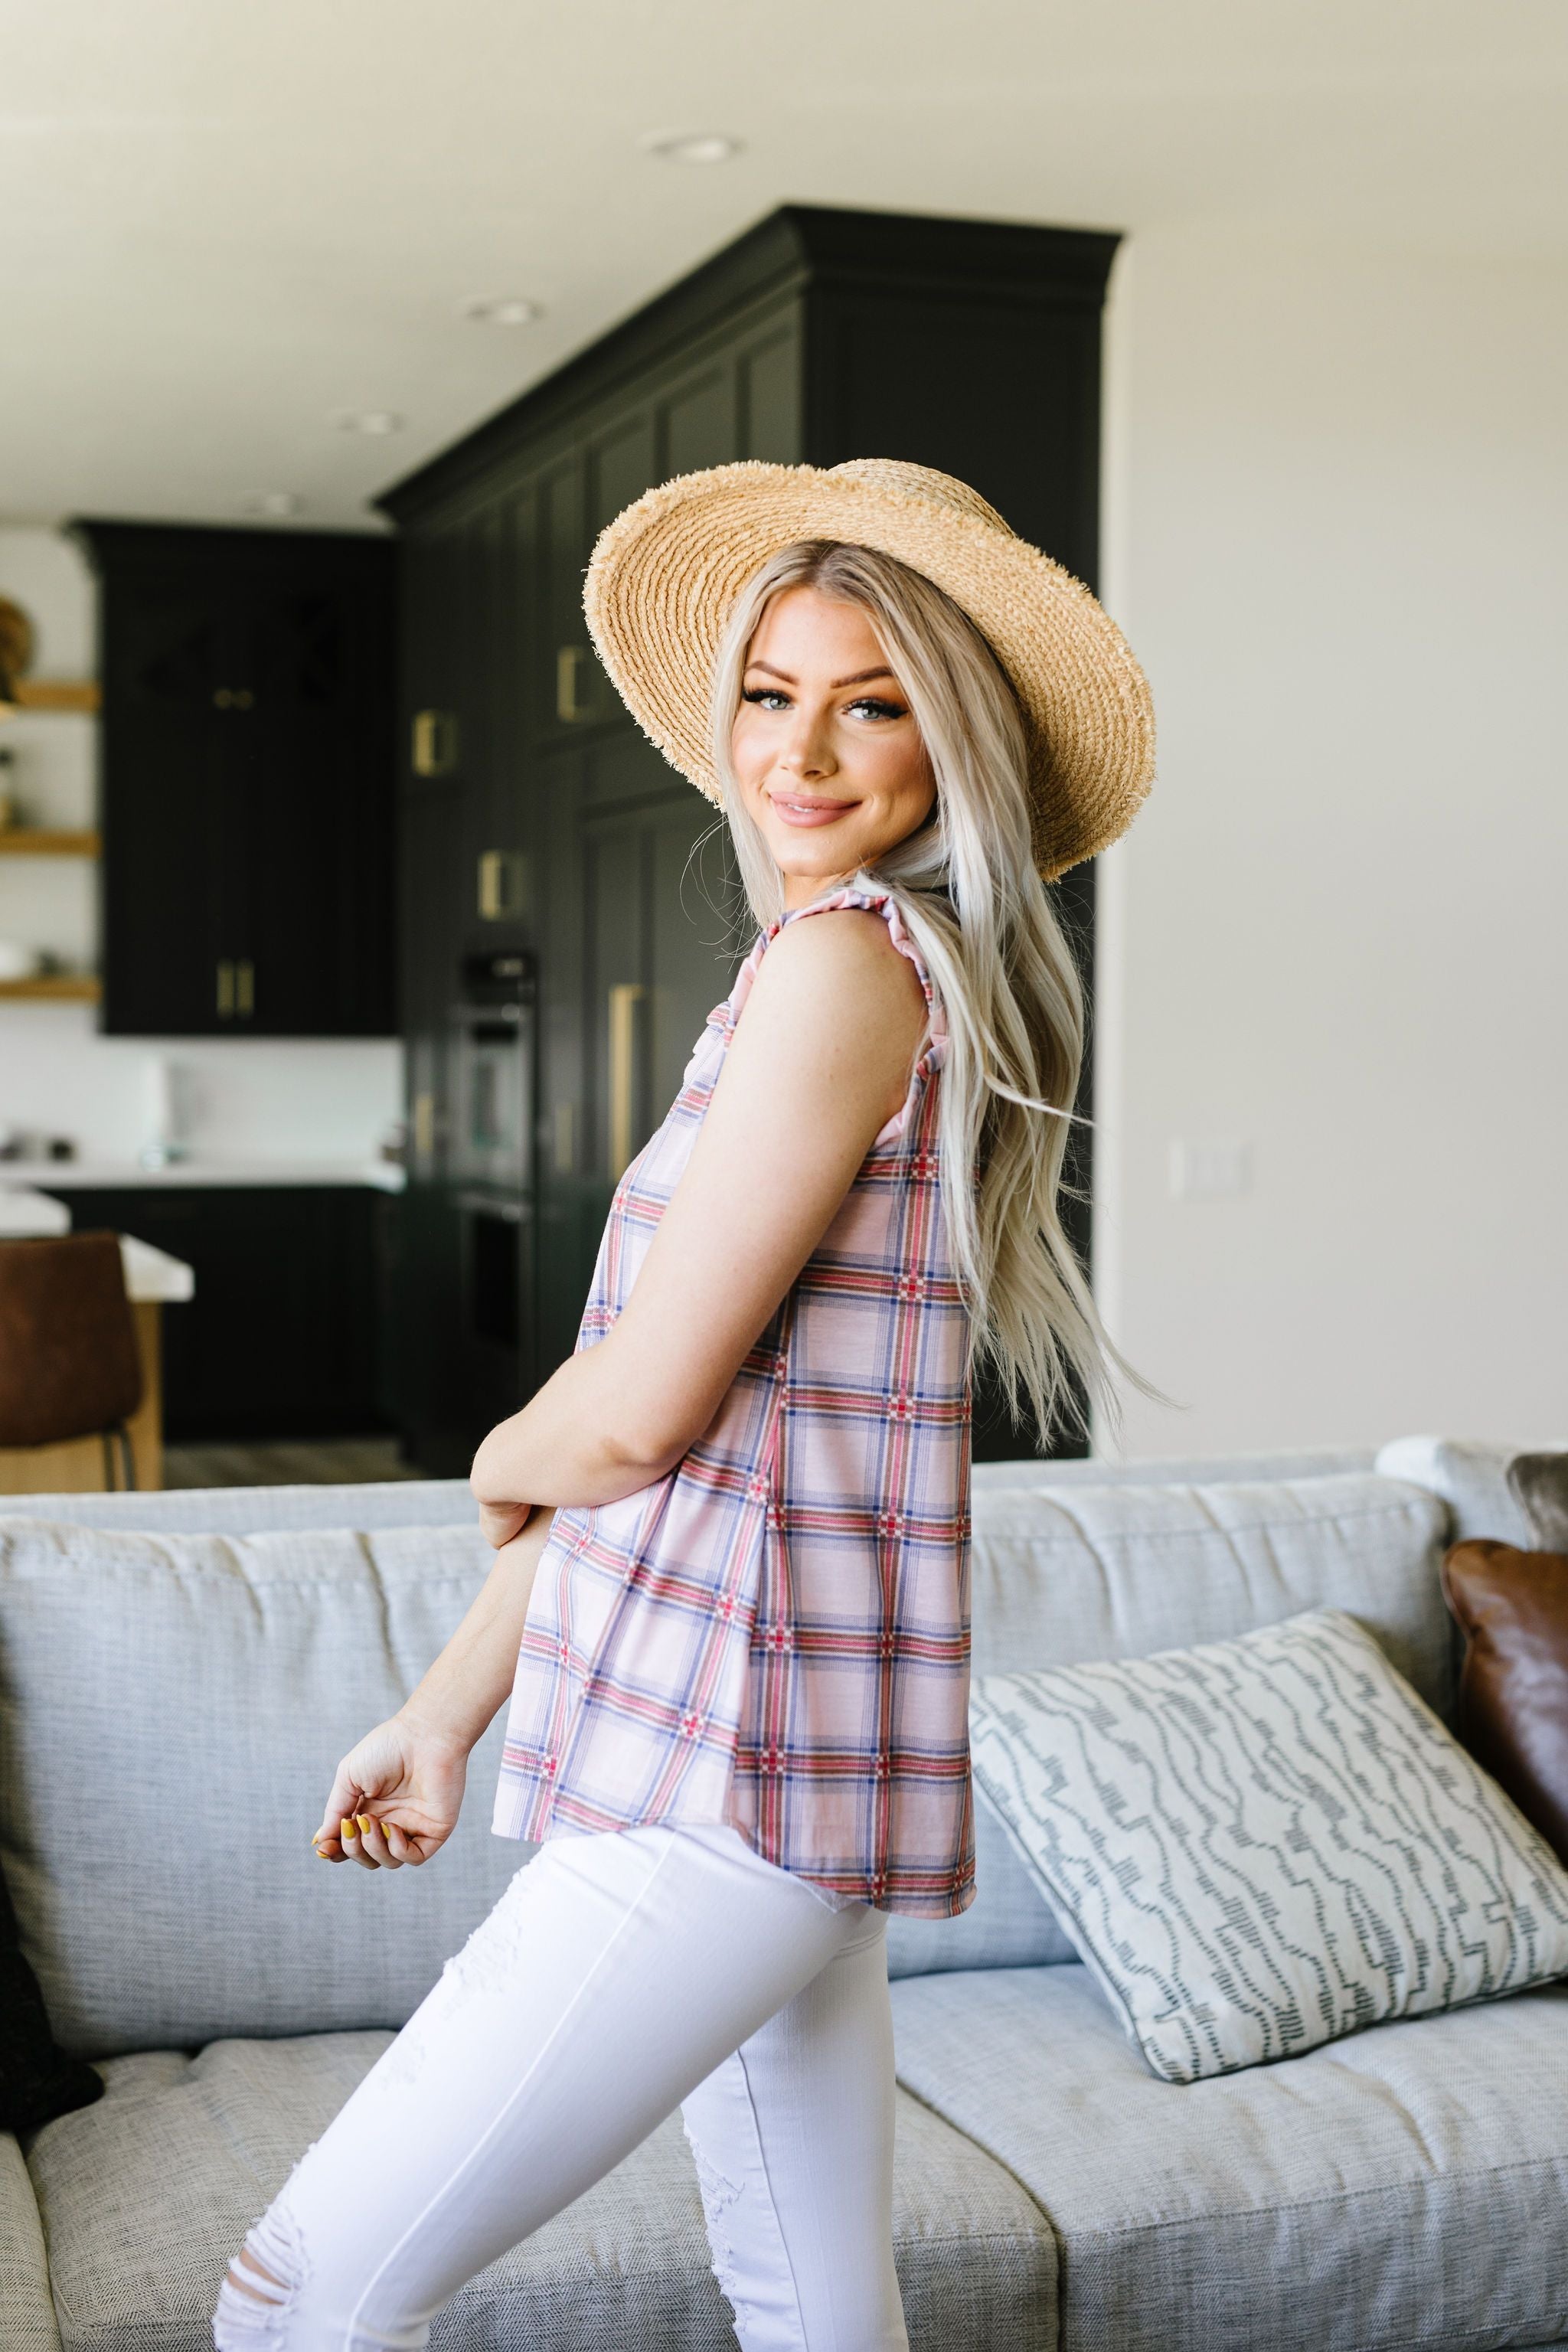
[(775, 1633)]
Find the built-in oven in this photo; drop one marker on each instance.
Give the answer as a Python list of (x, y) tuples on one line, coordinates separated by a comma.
[(489, 1161), (491, 1137)]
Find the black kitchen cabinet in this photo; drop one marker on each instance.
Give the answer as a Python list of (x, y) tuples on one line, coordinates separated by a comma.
[(282, 1337), (245, 781), (533, 812)]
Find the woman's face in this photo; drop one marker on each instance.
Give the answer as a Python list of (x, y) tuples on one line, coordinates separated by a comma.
[(825, 743)]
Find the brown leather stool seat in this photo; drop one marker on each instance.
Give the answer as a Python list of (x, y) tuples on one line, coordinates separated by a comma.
[(70, 1363)]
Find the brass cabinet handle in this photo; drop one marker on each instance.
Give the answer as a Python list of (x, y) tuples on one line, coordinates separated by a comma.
[(233, 697), (435, 746), (502, 884), (623, 998), (225, 991), (245, 990), (567, 707)]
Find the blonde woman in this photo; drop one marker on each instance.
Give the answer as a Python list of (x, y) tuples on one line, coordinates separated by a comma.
[(729, 1610)]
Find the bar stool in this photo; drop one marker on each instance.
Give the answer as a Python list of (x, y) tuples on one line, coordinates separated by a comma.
[(70, 1363)]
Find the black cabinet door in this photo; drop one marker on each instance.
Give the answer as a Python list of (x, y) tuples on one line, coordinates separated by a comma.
[(426, 1376), (247, 781), (172, 871), (281, 1338), (638, 945), (311, 792)]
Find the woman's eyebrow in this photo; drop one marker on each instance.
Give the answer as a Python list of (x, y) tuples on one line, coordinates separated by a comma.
[(859, 678)]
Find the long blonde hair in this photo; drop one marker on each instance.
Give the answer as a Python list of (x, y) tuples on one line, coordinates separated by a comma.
[(966, 885)]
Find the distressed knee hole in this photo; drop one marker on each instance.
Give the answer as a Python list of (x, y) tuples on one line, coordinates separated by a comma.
[(261, 2283), (719, 2193), (245, 2269)]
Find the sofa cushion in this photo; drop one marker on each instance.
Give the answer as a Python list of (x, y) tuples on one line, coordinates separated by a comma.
[(1176, 1469), (171, 1712), (144, 2206), (27, 2307), (1408, 2186), (1118, 1571), (1260, 1846), (1059, 1576), (1470, 1477), (258, 1510)]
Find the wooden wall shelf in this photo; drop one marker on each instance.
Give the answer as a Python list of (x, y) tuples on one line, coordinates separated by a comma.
[(40, 841), (53, 987), (58, 694)]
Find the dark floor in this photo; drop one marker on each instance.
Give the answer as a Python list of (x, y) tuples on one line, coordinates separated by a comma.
[(304, 1462)]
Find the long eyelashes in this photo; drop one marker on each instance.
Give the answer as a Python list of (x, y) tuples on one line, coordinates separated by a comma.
[(871, 702)]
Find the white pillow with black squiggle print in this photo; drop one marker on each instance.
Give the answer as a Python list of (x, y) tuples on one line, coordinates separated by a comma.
[(1261, 1844)]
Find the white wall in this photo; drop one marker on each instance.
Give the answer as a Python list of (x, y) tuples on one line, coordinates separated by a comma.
[(252, 1098), (1338, 930)]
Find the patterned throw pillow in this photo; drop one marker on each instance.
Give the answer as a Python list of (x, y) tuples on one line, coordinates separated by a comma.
[(1261, 1844)]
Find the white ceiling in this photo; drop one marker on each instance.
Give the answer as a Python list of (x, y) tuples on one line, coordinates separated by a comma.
[(225, 222)]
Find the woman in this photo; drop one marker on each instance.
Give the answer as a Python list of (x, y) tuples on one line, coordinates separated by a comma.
[(730, 1602)]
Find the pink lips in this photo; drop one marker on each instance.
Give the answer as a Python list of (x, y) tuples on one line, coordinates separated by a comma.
[(809, 811)]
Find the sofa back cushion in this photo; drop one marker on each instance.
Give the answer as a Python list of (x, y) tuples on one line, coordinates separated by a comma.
[(1118, 1571), (258, 1510), (172, 1711), (1177, 1469), (173, 1706)]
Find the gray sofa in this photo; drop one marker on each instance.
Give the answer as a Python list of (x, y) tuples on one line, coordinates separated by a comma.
[(178, 1673)]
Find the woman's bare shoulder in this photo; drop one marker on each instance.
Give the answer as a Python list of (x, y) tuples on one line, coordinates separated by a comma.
[(848, 950)]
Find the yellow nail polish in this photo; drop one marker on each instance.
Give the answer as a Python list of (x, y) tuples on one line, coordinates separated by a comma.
[(346, 1828), (366, 1824)]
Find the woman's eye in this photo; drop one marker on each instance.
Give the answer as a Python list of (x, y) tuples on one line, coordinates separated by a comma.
[(764, 694), (878, 709)]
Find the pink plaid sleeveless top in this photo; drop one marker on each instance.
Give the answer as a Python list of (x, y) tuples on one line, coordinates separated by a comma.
[(775, 1633)]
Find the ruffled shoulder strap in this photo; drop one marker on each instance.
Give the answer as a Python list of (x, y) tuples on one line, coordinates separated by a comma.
[(887, 905), (901, 1128)]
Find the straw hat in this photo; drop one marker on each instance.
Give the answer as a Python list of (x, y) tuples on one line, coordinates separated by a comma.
[(664, 576)]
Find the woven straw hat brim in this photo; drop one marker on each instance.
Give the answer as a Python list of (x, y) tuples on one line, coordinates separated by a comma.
[(665, 573)]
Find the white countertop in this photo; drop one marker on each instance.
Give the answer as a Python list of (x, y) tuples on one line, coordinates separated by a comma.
[(81, 1175), (22, 1213), (151, 1274)]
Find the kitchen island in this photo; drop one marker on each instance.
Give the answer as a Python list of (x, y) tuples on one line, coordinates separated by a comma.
[(281, 1341)]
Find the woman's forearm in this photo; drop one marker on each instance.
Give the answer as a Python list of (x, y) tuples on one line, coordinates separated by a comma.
[(572, 1443), (459, 1697)]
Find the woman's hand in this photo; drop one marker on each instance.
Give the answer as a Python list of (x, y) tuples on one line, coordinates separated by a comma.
[(396, 1796)]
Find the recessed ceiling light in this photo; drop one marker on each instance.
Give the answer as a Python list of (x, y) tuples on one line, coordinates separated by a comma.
[(506, 311), (274, 502), (692, 147), (367, 420)]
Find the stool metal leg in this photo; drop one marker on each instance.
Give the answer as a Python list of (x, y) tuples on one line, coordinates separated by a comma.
[(127, 1485)]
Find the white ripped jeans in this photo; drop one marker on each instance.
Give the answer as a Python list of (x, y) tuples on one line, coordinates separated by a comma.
[(622, 1974)]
